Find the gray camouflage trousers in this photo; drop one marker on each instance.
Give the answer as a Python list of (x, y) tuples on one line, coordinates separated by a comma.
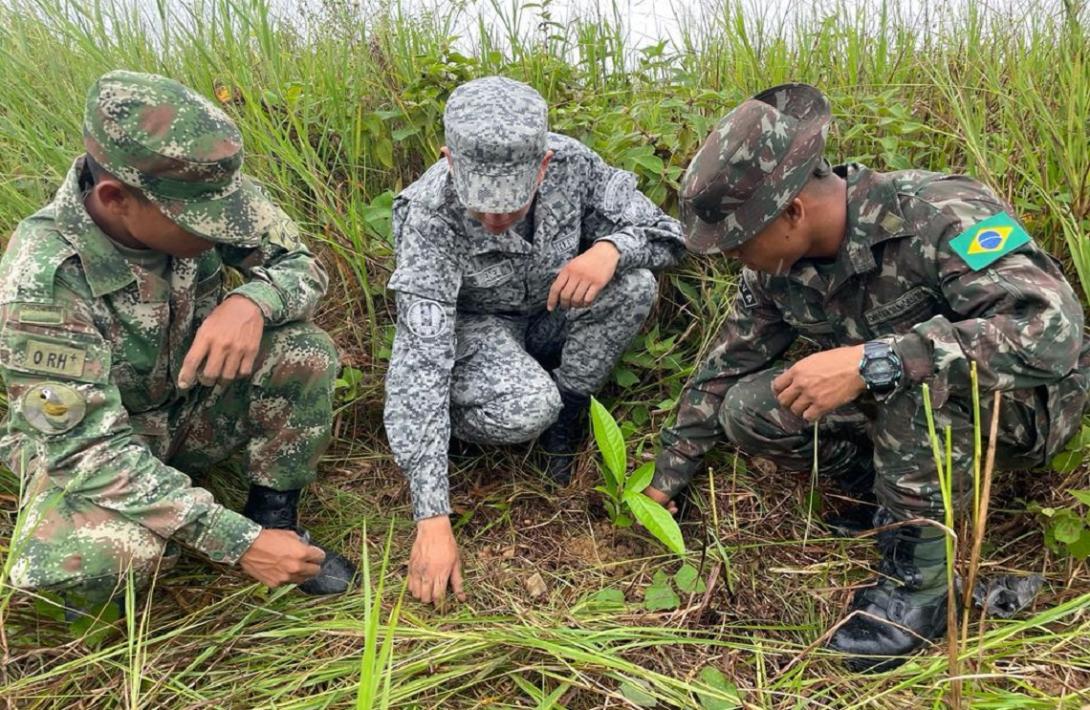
[(501, 390), (895, 434)]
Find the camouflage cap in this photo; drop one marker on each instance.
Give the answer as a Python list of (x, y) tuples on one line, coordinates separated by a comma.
[(178, 149), (497, 133), (752, 165)]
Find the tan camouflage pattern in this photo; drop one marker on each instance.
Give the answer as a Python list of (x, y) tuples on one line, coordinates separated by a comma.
[(183, 152), (897, 278), (450, 267), (752, 165), (105, 339)]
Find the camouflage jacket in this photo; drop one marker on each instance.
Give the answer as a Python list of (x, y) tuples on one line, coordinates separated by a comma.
[(447, 263), (896, 277), (74, 311)]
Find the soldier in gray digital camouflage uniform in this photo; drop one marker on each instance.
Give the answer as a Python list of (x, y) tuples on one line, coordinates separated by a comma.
[(523, 271), (127, 361), (898, 279)]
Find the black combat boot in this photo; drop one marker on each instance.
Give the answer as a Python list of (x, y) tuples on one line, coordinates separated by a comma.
[(277, 510), (905, 609), (561, 441)]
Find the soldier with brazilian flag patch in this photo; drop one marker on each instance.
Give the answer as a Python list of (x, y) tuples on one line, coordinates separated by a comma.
[(128, 361), (896, 279)]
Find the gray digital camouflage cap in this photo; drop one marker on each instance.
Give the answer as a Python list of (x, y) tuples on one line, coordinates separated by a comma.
[(752, 165), (497, 132), (178, 149)]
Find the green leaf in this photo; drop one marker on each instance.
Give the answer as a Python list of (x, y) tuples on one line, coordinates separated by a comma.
[(1080, 549), (1068, 528), (688, 580), (609, 595), (714, 678), (1067, 461), (384, 151), (1082, 496), (641, 477), (625, 377), (635, 691), (402, 133), (659, 595), (610, 442), (657, 520)]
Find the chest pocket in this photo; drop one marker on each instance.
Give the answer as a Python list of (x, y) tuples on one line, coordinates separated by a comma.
[(822, 332), (902, 313)]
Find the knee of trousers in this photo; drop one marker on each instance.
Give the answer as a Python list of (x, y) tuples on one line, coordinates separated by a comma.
[(297, 353), (513, 417), (635, 291), (748, 414), (74, 545)]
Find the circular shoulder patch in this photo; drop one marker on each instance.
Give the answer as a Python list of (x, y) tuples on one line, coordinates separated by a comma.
[(53, 408), (427, 319)]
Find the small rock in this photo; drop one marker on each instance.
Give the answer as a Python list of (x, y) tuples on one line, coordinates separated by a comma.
[(535, 585)]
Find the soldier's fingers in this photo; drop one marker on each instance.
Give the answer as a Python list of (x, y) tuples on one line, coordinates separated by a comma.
[(813, 413), (568, 291), (230, 367), (315, 554), (554, 291), (187, 376), (307, 571), (439, 590), (801, 405), (413, 585), (592, 293), (246, 367), (425, 590), (213, 366), (782, 381), (579, 298), (788, 395), (456, 582)]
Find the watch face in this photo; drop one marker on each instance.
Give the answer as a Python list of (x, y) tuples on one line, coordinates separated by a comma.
[(880, 369)]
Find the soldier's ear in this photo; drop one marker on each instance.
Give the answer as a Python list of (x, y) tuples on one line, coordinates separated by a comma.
[(113, 196), (795, 213), (544, 166)]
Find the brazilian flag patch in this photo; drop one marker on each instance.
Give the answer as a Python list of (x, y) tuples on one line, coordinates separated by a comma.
[(983, 243)]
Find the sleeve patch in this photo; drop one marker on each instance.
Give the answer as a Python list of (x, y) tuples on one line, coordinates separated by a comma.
[(53, 408), (986, 241), (745, 295), (53, 359), (427, 319), (40, 314)]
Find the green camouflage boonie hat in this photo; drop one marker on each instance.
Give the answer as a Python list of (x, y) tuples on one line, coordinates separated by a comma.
[(752, 165), (180, 150), (497, 132)]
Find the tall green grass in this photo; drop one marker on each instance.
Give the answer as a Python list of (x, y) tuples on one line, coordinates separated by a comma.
[(340, 106)]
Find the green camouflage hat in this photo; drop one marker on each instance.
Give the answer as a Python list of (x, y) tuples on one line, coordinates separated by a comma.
[(752, 165), (180, 150)]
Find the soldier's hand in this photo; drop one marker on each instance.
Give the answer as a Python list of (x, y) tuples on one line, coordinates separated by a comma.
[(435, 562), (582, 278), (281, 557), (226, 344), (661, 498), (818, 384)]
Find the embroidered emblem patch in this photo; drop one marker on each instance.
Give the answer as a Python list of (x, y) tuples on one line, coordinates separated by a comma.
[(53, 408), (983, 243), (427, 319), (745, 295)]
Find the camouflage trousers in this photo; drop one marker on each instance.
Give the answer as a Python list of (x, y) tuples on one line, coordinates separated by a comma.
[(894, 435), (502, 391), (280, 419)]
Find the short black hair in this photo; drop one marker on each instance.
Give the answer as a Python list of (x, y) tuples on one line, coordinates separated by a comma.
[(98, 172)]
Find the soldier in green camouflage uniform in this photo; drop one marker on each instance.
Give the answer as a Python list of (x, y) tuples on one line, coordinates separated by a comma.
[(113, 301), (898, 279)]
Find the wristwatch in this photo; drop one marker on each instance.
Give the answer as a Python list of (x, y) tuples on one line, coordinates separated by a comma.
[(880, 367)]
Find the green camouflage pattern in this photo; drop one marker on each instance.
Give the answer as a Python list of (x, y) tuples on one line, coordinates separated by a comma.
[(180, 150), (752, 165), (90, 350), (897, 278)]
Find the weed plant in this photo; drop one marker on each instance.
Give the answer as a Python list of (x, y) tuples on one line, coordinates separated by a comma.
[(340, 105)]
